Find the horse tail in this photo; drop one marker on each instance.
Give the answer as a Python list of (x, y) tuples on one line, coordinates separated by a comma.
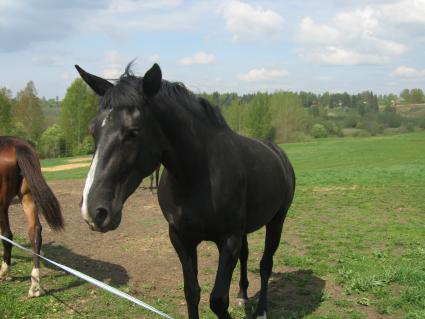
[(43, 196)]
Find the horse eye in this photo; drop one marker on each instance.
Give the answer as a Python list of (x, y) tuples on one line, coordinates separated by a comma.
[(131, 133)]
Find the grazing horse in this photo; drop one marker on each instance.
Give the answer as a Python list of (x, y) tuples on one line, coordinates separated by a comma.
[(20, 175), (216, 186), (156, 173)]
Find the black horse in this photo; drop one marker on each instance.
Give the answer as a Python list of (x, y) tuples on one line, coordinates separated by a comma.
[(217, 185)]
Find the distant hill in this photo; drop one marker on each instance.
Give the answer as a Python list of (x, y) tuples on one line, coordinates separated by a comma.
[(412, 110)]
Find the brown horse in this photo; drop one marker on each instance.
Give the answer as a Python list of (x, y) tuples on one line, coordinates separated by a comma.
[(20, 175)]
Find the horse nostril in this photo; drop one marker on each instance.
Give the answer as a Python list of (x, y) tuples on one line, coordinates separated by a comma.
[(101, 215)]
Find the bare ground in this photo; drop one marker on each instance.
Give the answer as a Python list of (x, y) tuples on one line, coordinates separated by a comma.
[(64, 167), (140, 255)]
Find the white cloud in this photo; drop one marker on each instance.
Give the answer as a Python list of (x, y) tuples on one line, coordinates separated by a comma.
[(340, 56), (115, 64), (125, 6), (404, 11), (121, 17), (250, 23), (359, 36), (409, 72), (311, 32), (263, 74), (198, 58), (26, 22)]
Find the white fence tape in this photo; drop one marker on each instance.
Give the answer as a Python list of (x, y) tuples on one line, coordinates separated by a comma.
[(93, 281)]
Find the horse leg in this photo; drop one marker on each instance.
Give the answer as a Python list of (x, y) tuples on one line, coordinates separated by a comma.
[(34, 233), (157, 176), (243, 282), (186, 250), (7, 247), (229, 251), (273, 234), (151, 180)]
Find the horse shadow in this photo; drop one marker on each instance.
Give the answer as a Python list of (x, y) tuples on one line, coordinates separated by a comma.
[(292, 295), (107, 272)]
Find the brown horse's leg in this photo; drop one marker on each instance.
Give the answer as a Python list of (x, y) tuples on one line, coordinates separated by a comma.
[(7, 248), (34, 233), (151, 180), (157, 175)]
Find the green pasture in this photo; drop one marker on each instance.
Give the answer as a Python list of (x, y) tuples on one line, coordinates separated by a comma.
[(353, 243)]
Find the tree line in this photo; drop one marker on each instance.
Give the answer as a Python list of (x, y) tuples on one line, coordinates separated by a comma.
[(60, 127), (55, 128)]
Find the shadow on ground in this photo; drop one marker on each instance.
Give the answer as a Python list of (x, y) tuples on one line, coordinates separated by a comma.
[(292, 295), (109, 273)]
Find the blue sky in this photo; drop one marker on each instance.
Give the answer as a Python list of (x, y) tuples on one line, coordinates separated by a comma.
[(225, 46)]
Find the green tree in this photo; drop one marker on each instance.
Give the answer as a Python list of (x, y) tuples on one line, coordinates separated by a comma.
[(405, 95), (78, 108), (235, 115), (5, 111), (52, 142), (19, 129), (318, 131), (289, 116), (88, 145), (333, 128), (417, 96), (325, 99), (27, 110), (259, 117)]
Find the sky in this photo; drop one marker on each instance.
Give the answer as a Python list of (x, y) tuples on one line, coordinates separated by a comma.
[(226, 46)]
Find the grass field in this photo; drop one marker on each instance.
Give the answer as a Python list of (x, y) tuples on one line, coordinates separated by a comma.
[(353, 243)]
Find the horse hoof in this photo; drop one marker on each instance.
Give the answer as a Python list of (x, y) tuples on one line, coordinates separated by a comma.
[(264, 316), (35, 293), (5, 272), (240, 302), (5, 278)]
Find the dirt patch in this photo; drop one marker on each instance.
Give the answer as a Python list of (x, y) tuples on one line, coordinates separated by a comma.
[(138, 253), (80, 159), (64, 167)]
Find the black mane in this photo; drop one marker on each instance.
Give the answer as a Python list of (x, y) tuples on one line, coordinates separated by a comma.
[(126, 92)]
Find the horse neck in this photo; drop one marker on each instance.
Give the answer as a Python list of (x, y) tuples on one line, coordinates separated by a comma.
[(186, 140)]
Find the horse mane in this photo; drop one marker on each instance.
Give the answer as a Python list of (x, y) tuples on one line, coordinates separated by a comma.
[(126, 92)]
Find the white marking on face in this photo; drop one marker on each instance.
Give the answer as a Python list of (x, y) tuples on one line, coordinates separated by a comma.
[(106, 119), (87, 187)]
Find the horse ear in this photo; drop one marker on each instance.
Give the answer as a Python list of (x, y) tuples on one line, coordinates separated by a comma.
[(98, 85), (152, 81)]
